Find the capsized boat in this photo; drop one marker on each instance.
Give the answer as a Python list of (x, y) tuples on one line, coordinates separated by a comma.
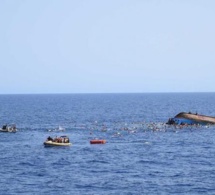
[(9, 128), (58, 141), (184, 118)]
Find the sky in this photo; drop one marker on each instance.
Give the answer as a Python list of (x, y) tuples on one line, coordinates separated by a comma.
[(108, 46)]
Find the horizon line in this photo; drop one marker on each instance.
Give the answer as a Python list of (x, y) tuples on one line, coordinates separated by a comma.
[(79, 93)]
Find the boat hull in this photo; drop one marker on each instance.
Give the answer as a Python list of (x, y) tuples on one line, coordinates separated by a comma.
[(51, 144), (184, 118), (8, 130)]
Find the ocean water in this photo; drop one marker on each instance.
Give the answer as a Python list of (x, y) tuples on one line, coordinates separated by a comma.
[(142, 155)]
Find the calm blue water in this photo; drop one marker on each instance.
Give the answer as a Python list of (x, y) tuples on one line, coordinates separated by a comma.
[(142, 155)]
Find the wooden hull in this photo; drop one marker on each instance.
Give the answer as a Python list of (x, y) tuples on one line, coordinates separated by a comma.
[(50, 144), (196, 117), (184, 118)]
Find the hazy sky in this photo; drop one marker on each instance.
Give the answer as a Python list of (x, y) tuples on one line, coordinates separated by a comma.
[(104, 46)]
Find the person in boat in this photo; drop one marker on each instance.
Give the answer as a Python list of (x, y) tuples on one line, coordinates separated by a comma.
[(4, 127), (66, 140), (57, 139), (49, 138)]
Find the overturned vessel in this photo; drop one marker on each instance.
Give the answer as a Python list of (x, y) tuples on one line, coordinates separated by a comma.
[(189, 118)]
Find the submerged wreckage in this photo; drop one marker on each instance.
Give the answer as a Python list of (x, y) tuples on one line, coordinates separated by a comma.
[(189, 118)]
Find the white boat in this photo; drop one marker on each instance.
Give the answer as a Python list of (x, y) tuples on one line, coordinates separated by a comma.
[(58, 141), (8, 128)]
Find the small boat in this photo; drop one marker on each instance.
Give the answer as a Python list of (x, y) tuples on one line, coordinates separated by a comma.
[(58, 141), (189, 118), (98, 141), (8, 128)]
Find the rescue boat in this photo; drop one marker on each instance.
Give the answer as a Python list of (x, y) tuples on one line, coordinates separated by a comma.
[(9, 128), (51, 143), (58, 141)]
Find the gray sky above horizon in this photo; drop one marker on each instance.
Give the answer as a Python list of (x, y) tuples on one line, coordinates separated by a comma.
[(114, 46)]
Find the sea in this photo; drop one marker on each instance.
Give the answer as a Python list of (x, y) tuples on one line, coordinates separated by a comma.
[(142, 154)]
